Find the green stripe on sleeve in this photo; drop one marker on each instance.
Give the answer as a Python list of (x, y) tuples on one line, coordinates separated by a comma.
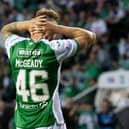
[(78, 47)]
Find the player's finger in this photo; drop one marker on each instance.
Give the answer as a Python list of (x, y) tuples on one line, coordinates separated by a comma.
[(37, 32), (42, 18), (38, 28), (40, 23)]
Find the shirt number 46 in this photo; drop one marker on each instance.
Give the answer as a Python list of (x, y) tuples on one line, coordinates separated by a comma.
[(25, 93)]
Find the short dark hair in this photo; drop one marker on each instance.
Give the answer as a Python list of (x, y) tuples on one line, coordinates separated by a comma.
[(50, 13)]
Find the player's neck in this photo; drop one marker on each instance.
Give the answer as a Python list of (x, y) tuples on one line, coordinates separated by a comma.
[(36, 37)]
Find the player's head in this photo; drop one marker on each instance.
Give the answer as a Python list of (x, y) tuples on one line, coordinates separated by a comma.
[(51, 15)]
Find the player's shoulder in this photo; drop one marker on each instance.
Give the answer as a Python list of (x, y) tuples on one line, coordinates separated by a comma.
[(53, 44), (63, 48), (13, 39), (59, 43)]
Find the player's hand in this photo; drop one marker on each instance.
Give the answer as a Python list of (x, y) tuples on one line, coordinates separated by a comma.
[(36, 30), (36, 24), (48, 25)]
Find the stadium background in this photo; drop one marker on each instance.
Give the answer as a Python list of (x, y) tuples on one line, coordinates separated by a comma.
[(109, 19)]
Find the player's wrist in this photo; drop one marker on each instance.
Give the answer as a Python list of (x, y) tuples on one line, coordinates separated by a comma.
[(50, 27), (28, 24), (56, 28)]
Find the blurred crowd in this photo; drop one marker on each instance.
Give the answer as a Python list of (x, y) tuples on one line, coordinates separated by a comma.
[(109, 19)]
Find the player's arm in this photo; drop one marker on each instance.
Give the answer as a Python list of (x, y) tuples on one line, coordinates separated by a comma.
[(16, 27), (82, 36)]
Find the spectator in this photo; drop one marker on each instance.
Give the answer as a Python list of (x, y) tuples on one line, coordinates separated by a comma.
[(97, 25), (93, 66), (71, 90), (70, 116), (106, 117), (116, 13), (87, 117), (81, 21)]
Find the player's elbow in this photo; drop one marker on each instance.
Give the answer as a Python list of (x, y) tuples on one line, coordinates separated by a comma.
[(4, 30), (86, 38), (93, 38), (89, 38)]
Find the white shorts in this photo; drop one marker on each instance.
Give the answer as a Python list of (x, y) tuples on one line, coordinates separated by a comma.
[(56, 126)]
